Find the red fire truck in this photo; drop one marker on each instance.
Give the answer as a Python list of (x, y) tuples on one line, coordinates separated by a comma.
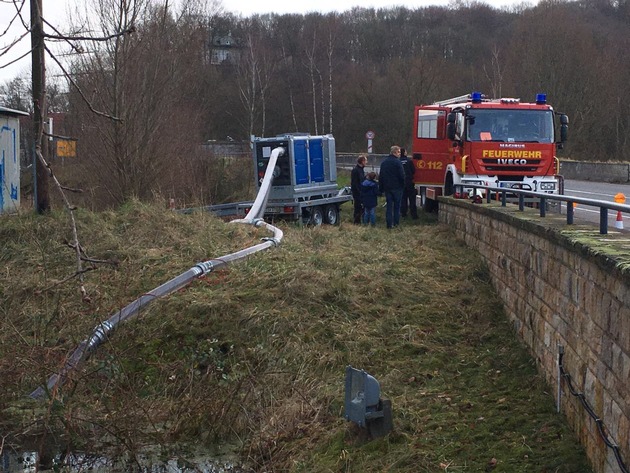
[(491, 142)]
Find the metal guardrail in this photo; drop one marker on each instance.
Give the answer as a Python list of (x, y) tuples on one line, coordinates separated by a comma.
[(542, 198)]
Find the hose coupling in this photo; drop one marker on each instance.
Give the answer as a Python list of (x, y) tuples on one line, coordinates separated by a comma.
[(273, 240), (100, 334), (205, 267)]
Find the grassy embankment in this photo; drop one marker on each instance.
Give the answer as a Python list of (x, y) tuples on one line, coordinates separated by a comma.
[(255, 354)]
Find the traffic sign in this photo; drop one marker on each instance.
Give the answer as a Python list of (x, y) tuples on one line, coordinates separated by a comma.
[(370, 135)]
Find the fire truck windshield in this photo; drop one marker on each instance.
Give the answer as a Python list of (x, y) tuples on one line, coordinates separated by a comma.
[(522, 126)]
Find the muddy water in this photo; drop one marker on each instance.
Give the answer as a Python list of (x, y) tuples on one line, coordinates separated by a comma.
[(27, 462)]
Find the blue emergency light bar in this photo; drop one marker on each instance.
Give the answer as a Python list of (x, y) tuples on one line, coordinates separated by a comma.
[(476, 97), (541, 99)]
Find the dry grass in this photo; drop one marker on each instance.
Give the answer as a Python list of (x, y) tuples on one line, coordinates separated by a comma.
[(254, 355)]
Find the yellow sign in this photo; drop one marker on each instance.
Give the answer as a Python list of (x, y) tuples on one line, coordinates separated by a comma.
[(67, 148), (518, 153)]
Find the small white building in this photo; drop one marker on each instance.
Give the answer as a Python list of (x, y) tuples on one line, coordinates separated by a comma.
[(10, 159), (224, 49)]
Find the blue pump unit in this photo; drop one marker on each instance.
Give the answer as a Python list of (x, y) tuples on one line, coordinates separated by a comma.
[(308, 165)]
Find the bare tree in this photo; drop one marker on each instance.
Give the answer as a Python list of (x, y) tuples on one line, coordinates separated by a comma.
[(313, 74), (17, 94), (288, 68), (256, 70), (136, 156), (330, 51), (495, 72), (289, 29)]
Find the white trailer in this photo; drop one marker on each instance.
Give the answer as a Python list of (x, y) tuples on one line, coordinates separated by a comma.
[(304, 187)]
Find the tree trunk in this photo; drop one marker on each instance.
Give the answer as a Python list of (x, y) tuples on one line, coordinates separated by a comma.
[(42, 198)]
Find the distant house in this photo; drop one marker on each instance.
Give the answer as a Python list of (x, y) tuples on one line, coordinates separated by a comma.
[(224, 49), (10, 159)]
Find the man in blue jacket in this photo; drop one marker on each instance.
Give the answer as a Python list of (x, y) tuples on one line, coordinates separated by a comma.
[(391, 182)]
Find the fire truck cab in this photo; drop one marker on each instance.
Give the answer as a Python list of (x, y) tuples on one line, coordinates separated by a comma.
[(491, 142)]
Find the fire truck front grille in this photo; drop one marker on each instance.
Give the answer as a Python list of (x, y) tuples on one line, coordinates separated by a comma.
[(492, 166)]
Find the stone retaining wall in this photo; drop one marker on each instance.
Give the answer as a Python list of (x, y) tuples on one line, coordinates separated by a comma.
[(558, 291), (600, 172)]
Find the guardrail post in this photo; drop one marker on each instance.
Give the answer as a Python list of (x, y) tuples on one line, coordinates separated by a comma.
[(543, 207), (521, 202), (569, 212), (503, 198), (603, 221)]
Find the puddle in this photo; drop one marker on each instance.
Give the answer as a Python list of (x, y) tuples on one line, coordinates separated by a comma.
[(27, 462)]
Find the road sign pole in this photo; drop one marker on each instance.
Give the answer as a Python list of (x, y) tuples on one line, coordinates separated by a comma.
[(370, 136)]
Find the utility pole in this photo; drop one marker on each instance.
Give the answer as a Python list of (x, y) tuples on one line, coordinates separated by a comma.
[(42, 200)]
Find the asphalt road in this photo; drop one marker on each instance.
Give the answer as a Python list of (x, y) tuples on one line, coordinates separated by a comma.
[(597, 191)]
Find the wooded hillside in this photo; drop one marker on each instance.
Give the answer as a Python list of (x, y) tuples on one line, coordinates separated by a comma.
[(185, 77)]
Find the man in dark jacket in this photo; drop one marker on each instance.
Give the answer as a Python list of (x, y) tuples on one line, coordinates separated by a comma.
[(391, 183), (409, 192), (357, 176)]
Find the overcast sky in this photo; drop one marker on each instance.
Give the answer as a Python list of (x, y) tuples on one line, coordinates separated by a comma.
[(55, 11)]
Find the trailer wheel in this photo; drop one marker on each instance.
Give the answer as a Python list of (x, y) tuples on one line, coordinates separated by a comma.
[(331, 214), (317, 216)]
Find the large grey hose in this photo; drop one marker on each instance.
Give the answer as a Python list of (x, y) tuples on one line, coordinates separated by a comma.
[(259, 205), (104, 329)]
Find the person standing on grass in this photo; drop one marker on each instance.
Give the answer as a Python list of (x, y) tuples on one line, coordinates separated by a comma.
[(409, 192), (357, 176), (369, 198), (391, 183)]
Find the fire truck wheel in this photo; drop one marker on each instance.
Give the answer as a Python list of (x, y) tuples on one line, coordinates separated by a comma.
[(331, 214), (448, 184), (317, 216), (430, 206)]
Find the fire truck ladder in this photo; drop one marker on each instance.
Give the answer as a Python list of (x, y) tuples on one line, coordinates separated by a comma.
[(460, 99), (466, 98)]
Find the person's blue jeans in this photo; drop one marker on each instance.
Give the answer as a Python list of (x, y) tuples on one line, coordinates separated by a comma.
[(369, 216), (392, 208)]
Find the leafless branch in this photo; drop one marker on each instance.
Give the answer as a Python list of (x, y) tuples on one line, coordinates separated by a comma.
[(78, 49), (72, 276), (60, 137), (101, 261), (15, 60), (76, 86), (62, 37), (18, 14), (13, 19), (87, 259), (71, 189), (6, 49), (75, 237)]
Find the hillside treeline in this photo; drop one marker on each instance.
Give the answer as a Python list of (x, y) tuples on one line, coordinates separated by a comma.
[(187, 76)]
